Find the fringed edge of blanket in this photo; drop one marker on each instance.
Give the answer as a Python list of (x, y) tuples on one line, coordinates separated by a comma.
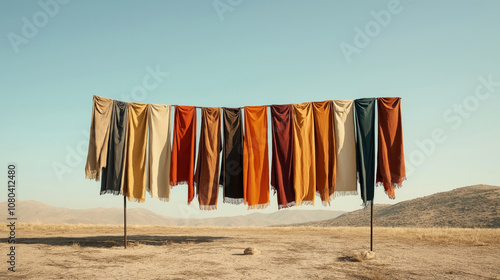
[(235, 201), (136, 199), (345, 193), (163, 199), (259, 206), (288, 205), (92, 175), (113, 192), (394, 185), (326, 193), (208, 207), (304, 203), (366, 204), (174, 184)]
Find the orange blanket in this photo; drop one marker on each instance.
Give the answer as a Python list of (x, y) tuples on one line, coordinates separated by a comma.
[(391, 170), (304, 164), (255, 158), (325, 150), (184, 148), (135, 160), (206, 178)]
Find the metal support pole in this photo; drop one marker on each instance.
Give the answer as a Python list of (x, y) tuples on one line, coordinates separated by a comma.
[(125, 221), (371, 228)]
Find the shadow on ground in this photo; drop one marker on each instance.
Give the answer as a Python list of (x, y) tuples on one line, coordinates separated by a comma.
[(115, 241)]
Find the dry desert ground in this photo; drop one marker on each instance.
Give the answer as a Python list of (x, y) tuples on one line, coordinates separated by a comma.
[(159, 252)]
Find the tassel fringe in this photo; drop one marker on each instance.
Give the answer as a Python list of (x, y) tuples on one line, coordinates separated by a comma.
[(173, 184), (288, 205), (304, 203), (258, 206), (367, 204), (138, 200), (394, 185), (235, 201), (208, 207), (345, 193), (113, 192)]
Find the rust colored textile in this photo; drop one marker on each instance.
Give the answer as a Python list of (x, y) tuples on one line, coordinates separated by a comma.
[(281, 163), (184, 148), (391, 170), (326, 164), (206, 178), (256, 158)]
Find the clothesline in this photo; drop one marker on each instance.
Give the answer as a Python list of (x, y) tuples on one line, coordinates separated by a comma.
[(199, 107), (317, 149)]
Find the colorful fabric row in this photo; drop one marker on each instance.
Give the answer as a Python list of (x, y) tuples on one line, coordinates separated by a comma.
[(318, 148)]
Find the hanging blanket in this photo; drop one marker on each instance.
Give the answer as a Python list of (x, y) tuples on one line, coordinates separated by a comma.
[(159, 152), (184, 148), (135, 160), (365, 147), (345, 145), (206, 178), (325, 150), (255, 158), (304, 164), (231, 175), (99, 135), (391, 161), (281, 163), (112, 175)]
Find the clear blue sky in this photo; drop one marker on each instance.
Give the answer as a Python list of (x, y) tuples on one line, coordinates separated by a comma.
[(55, 56)]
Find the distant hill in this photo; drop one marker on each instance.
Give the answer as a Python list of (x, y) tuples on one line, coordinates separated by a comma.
[(468, 207), (34, 211)]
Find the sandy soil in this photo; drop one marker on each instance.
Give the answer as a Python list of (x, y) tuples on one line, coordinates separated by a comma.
[(217, 253)]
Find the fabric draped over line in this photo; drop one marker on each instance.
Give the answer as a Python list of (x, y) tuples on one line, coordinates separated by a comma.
[(159, 152), (135, 159), (206, 178), (99, 137), (231, 175), (112, 180), (326, 163), (365, 147), (391, 170), (345, 144), (281, 162), (184, 148), (256, 158), (304, 164)]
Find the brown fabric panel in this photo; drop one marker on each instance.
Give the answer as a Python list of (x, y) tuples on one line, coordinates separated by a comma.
[(391, 170), (99, 136), (231, 175), (325, 149), (184, 148), (282, 147), (206, 178)]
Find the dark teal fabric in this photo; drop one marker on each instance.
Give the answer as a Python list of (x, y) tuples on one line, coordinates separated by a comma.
[(365, 147)]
